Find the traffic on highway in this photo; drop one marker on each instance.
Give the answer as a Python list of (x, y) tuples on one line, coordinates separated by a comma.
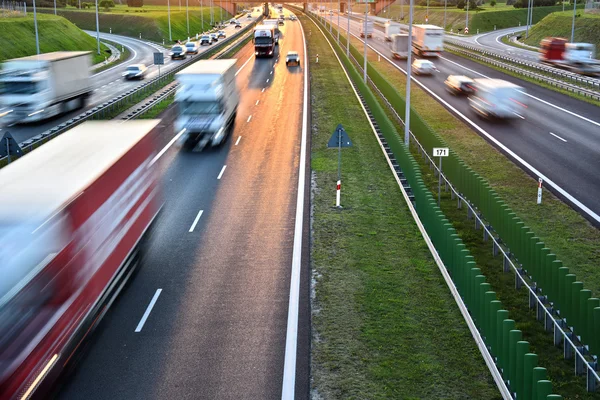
[(184, 250)]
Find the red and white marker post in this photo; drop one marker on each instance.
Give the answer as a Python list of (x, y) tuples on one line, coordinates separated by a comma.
[(338, 193), (539, 193)]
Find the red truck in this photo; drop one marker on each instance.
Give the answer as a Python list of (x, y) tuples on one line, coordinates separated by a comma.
[(74, 219), (577, 57)]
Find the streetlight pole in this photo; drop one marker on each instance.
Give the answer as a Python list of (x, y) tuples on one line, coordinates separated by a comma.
[(220, 11), (97, 29), (573, 24), (187, 16), (467, 24), (408, 77), (529, 17), (445, 6), (348, 29), (338, 23), (54, 7), (201, 16), (365, 33), (169, 15), (37, 39)]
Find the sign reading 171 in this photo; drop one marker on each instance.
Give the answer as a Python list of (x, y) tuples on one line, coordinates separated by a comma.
[(441, 152)]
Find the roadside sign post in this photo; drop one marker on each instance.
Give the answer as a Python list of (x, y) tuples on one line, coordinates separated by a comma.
[(339, 139), (440, 152), (159, 59), (539, 192), (9, 146)]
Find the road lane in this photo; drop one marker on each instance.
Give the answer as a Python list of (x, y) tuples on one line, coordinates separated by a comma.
[(570, 164), (218, 330)]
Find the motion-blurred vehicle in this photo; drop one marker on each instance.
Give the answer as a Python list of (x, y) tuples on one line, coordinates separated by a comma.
[(214, 37), (577, 57), (427, 40), (207, 102), (135, 71), (495, 98), (233, 21), (249, 15), (423, 67), (264, 40), (399, 46), (391, 28), (75, 218), (39, 87), (275, 24), (221, 34), (237, 25), (293, 18), (459, 84), (280, 22), (192, 48), (292, 59), (366, 27), (205, 40), (178, 51)]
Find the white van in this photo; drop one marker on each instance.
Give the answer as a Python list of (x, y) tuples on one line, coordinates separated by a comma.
[(495, 98)]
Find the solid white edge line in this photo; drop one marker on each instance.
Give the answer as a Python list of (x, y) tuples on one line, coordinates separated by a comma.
[(504, 391), (163, 151), (238, 140), (492, 139), (148, 310), (243, 65), (222, 171), (196, 221), (558, 137), (291, 338)]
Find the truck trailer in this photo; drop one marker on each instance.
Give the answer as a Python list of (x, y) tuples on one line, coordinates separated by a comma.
[(207, 100), (427, 40), (275, 24), (264, 40), (74, 220), (43, 86), (366, 28), (399, 46), (391, 28)]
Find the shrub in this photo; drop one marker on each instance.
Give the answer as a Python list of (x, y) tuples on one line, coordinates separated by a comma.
[(493, 3), (135, 3)]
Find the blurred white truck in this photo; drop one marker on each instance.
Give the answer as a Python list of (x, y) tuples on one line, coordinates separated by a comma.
[(391, 28), (495, 98), (42, 86), (366, 28), (399, 45), (427, 40), (207, 101)]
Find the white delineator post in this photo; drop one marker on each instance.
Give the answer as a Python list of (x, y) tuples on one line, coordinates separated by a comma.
[(338, 193), (539, 193)]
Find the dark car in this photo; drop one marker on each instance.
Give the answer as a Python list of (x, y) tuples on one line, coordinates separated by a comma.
[(459, 84), (135, 71), (214, 37), (281, 22), (178, 51), (221, 34), (237, 25)]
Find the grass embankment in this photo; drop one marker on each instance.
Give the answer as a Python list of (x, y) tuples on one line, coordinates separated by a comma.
[(151, 22), (563, 230), (587, 28), (125, 54), (484, 19), (384, 322), (17, 37)]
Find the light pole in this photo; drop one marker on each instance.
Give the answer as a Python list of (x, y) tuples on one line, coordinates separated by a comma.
[(467, 24), (338, 23), (169, 18), (573, 24), (187, 16), (54, 7), (408, 77), (37, 40), (220, 11), (445, 6), (529, 13), (97, 29), (201, 17), (348, 29), (365, 55)]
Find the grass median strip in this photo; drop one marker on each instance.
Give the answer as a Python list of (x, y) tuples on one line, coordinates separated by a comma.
[(384, 322), (570, 236)]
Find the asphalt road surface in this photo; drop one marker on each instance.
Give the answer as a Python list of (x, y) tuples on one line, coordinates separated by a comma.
[(109, 83), (559, 135), (221, 253)]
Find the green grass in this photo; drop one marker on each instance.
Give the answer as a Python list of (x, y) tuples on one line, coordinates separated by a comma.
[(385, 324), (124, 57), (151, 22), (156, 110), (587, 28), (506, 40), (17, 37), (501, 16)]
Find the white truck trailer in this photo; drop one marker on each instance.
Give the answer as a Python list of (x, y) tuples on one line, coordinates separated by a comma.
[(428, 40), (42, 86), (275, 23), (399, 46), (207, 101), (391, 28), (366, 28)]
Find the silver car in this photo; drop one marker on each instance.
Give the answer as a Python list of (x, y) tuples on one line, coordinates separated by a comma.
[(135, 71)]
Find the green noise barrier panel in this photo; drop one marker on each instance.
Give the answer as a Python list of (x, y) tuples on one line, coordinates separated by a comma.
[(518, 366)]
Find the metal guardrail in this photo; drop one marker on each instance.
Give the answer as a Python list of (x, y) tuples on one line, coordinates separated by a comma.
[(574, 78), (572, 345), (132, 96)]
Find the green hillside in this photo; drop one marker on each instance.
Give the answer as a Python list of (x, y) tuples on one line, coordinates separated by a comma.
[(587, 28), (17, 37), (151, 22)]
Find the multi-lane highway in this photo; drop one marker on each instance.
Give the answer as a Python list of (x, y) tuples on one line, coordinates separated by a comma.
[(109, 83), (206, 316), (559, 135)]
